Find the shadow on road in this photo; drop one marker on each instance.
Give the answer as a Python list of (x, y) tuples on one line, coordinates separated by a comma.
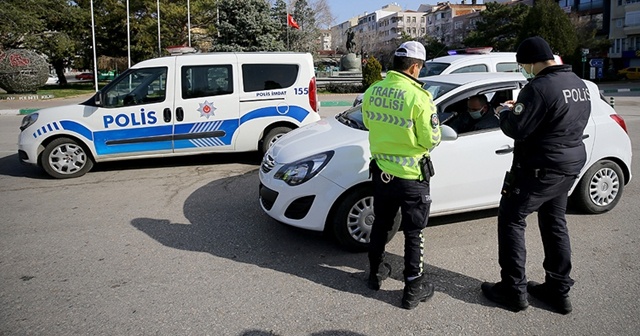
[(225, 220)]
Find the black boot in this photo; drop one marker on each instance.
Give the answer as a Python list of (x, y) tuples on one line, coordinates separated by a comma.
[(377, 273), (416, 291), (500, 294), (559, 302)]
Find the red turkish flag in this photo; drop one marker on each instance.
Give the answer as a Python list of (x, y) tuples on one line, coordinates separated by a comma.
[(291, 22)]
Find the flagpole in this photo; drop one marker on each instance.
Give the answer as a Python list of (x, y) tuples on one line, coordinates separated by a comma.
[(95, 60), (159, 44), (128, 37)]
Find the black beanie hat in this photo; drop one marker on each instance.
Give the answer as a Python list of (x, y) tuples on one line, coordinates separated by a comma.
[(532, 50)]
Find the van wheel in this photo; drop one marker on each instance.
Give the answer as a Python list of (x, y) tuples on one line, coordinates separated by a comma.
[(65, 158), (272, 136), (352, 220), (600, 188)]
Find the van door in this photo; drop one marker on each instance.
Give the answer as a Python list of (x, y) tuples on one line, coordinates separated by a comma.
[(135, 117), (206, 103)]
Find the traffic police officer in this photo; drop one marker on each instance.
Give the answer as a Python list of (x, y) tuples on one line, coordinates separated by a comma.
[(547, 123), (403, 127)]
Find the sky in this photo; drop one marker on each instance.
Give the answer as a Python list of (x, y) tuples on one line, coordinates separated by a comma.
[(343, 10)]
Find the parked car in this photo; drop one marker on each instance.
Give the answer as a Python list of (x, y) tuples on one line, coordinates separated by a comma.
[(629, 73), (84, 76), (326, 187)]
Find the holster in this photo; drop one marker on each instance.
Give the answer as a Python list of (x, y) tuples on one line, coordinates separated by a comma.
[(507, 185), (426, 167)]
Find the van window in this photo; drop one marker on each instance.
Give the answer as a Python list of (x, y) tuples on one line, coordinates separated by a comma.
[(258, 77), (206, 81), (472, 68), (507, 67), (139, 86)]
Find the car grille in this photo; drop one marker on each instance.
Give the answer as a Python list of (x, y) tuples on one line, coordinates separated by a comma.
[(267, 163)]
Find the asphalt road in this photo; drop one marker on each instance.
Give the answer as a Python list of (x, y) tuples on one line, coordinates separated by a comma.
[(180, 246)]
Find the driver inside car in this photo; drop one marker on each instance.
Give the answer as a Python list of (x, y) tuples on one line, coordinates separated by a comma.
[(479, 115)]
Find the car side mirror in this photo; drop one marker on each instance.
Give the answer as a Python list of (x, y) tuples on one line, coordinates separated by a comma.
[(447, 133)]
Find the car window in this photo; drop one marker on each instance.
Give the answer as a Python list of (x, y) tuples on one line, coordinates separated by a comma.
[(454, 112), (139, 86), (507, 67), (433, 68), (258, 77), (206, 80), (472, 68)]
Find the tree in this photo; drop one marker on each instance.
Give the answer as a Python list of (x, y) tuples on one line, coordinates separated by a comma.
[(371, 73), (304, 39), (54, 28), (499, 27), (247, 26), (547, 20)]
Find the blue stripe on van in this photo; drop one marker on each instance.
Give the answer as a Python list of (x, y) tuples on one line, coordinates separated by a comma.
[(296, 112)]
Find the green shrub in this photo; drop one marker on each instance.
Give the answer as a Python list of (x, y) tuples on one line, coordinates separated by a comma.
[(343, 88), (371, 73)]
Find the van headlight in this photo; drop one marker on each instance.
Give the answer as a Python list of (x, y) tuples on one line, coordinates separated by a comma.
[(28, 120), (300, 171)]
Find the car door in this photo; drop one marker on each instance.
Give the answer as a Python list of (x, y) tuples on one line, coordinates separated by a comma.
[(206, 103), (470, 169), (131, 119)]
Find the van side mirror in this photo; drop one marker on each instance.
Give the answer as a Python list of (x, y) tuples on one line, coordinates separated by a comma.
[(99, 98)]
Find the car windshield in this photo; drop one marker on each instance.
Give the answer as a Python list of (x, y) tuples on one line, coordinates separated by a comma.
[(437, 89), (433, 68)]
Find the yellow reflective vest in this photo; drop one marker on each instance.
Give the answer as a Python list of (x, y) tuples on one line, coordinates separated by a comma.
[(403, 124)]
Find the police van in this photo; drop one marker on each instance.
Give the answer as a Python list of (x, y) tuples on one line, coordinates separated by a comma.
[(176, 105)]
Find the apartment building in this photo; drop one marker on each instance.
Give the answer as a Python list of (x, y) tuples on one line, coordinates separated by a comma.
[(625, 33), (442, 26)]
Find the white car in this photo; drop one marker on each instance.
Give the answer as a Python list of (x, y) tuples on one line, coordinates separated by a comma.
[(317, 177)]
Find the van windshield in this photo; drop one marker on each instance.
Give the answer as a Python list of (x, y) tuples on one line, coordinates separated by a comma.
[(433, 68)]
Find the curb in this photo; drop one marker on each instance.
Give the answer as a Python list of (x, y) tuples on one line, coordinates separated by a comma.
[(336, 103), (619, 90)]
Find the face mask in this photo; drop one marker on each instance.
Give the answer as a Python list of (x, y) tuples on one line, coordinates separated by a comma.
[(476, 114), (526, 74)]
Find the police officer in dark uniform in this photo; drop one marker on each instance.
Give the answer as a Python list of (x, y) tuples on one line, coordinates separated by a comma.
[(547, 123)]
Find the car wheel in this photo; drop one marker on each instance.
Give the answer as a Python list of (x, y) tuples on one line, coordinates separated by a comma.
[(353, 217), (272, 136), (600, 188), (65, 158)]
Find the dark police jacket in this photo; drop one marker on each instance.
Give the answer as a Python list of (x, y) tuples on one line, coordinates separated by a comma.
[(548, 121)]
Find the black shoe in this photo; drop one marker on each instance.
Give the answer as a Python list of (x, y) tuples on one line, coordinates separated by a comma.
[(500, 294), (377, 275), (416, 291), (559, 302)]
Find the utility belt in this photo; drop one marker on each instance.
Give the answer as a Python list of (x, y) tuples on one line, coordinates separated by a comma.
[(510, 177), (425, 164)]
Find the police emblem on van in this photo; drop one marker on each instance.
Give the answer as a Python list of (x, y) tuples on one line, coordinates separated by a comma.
[(206, 109)]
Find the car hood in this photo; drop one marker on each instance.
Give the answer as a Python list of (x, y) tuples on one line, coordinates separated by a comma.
[(321, 136)]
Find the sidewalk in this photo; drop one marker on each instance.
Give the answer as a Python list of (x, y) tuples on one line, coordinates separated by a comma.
[(26, 106)]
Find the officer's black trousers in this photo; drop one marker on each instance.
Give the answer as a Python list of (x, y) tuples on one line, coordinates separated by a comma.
[(548, 195), (413, 199)]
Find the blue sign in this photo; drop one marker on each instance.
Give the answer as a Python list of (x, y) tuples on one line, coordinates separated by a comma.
[(596, 62)]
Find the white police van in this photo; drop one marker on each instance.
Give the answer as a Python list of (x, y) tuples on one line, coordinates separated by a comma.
[(176, 105)]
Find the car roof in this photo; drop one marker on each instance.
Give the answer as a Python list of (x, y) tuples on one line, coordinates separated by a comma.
[(453, 58), (470, 77)]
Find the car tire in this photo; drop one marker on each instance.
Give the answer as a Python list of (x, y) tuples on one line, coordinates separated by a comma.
[(600, 188), (353, 217), (65, 158), (272, 136)]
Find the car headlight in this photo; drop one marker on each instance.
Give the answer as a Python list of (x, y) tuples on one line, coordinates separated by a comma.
[(300, 171), (28, 120)]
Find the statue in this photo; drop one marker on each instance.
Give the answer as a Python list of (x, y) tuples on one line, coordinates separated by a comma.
[(350, 62), (351, 44)]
